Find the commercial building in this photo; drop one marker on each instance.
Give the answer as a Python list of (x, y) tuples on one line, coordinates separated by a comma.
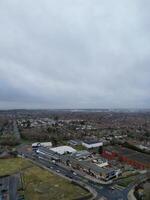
[(74, 142), (47, 154), (110, 152), (92, 144), (76, 161), (81, 155), (63, 150), (92, 169), (41, 144), (104, 174), (129, 156), (101, 162)]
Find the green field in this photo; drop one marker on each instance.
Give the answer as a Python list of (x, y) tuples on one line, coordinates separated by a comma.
[(9, 166), (126, 181), (40, 184), (80, 147)]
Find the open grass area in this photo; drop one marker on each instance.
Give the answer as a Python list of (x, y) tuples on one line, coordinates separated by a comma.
[(126, 181), (80, 147), (13, 165), (40, 184)]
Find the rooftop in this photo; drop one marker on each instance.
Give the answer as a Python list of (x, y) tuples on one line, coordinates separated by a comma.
[(131, 154), (95, 167), (80, 154), (91, 141), (63, 149)]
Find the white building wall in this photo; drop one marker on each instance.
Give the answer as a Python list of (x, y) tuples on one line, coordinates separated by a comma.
[(89, 146)]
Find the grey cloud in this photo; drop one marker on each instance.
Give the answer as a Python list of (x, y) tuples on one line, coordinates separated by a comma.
[(74, 54)]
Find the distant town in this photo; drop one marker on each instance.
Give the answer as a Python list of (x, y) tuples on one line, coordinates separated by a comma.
[(104, 153)]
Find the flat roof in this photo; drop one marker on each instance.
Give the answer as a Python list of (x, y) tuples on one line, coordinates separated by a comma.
[(87, 165), (75, 140), (45, 150), (130, 153), (96, 168), (42, 143), (140, 157), (92, 141), (63, 149), (79, 154), (48, 153)]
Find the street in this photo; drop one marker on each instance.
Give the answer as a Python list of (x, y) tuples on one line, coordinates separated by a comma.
[(102, 190)]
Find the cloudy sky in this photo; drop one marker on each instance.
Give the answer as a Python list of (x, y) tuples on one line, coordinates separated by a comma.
[(74, 54)]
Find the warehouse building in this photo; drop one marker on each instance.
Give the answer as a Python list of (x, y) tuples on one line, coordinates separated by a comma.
[(92, 144), (129, 156), (74, 142), (63, 150), (74, 161), (104, 174), (47, 153), (92, 169), (41, 144), (81, 155)]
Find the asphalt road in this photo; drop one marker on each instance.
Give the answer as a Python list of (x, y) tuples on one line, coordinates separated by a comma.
[(16, 130), (9, 185), (102, 190), (13, 185)]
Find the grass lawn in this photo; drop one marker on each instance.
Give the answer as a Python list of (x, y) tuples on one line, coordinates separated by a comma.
[(126, 181), (12, 165), (41, 184), (80, 147)]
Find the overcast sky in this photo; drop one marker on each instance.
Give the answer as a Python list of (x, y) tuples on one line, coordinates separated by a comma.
[(74, 54)]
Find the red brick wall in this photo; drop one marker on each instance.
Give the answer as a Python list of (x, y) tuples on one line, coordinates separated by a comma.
[(112, 155), (108, 154), (132, 162)]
